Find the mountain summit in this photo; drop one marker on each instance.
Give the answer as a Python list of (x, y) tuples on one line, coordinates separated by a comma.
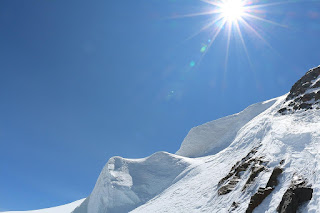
[(263, 159), (304, 94)]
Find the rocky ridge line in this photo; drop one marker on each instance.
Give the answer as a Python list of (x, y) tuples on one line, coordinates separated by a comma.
[(304, 94)]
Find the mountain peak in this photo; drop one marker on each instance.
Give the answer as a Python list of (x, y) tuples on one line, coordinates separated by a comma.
[(304, 94), (252, 161)]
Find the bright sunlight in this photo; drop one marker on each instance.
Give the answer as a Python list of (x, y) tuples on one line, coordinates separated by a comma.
[(237, 16), (232, 10)]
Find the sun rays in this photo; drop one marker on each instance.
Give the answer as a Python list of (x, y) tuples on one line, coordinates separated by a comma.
[(234, 17)]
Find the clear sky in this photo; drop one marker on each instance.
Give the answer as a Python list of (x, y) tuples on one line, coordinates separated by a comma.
[(82, 81)]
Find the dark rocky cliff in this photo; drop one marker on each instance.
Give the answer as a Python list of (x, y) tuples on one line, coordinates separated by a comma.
[(304, 94)]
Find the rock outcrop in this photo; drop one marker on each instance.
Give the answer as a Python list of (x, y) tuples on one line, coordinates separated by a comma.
[(304, 94), (262, 193), (297, 194), (229, 182)]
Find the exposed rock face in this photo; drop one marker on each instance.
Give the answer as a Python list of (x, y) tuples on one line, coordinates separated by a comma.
[(256, 169), (262, 193), (273, 180), (297, 193), (304, 94), (229, 182)]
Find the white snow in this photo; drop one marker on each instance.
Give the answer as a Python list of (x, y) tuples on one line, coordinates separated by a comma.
[(214, 136), (67, 208), (127, 183), (295, 138)]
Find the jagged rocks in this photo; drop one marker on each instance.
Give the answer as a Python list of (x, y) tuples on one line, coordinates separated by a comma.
[(258, 197), (229, 182), (256, 169), (273, 180), (305, 83), (239, 166), (228, 187), (293, 198), (304, 94), (234, 206), (297, 194), (262, 193)]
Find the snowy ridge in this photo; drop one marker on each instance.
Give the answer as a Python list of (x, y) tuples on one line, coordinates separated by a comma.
[(214, 136), (67, 208), (292, 138), (126, 183)]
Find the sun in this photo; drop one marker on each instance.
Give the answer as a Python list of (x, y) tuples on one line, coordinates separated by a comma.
[(232, 10), (234, 17)]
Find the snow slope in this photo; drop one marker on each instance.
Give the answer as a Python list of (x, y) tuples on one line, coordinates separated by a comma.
[(214, 136), (165, 182), (127, 183), (293, 138), (222, 165), (59, 209)]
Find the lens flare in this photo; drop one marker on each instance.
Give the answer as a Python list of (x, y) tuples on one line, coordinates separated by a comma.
[(192, 63)]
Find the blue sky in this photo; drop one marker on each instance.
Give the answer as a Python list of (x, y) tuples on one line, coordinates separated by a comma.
[(82, 81)]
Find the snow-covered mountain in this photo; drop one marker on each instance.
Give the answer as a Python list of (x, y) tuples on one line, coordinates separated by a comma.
[(67, 208), (263, 159)]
